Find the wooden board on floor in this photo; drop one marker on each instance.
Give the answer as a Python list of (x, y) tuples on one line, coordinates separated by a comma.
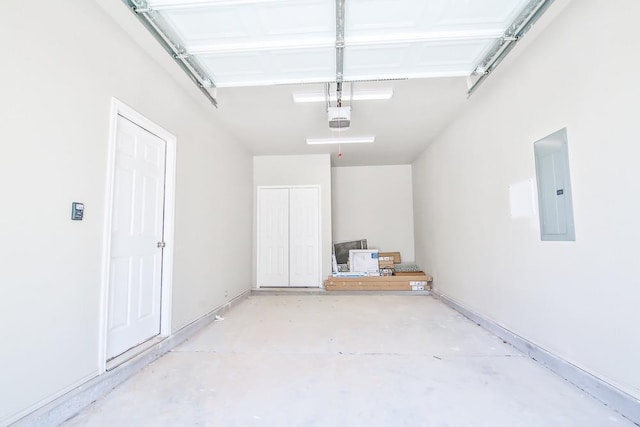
[(409, 273), (382, 283)]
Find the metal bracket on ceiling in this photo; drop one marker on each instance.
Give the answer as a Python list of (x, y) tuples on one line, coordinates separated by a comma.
[(340, 8), (140, 6), (514, 33), (155, 24)]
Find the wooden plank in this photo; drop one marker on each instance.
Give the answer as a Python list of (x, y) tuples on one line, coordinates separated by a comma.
[(374, 279), (382, 283), (409, 273), (363, 286)]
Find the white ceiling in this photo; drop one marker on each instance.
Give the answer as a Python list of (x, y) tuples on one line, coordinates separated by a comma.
[(269, 123), (259, 52)]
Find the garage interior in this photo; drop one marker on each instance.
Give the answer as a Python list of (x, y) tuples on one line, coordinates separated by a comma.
[(461, 102)]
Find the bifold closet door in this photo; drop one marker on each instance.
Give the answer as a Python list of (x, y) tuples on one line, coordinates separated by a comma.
[(304, 237), (288, 237), (273, 237)]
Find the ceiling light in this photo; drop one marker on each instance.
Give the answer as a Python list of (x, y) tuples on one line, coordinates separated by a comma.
[(352, 140), (364, 95)]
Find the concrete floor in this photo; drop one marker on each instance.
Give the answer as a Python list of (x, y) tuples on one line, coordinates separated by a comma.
[(346, 360)]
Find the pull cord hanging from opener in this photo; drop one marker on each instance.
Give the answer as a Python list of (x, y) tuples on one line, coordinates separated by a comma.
[(339, 116), (339, 104)]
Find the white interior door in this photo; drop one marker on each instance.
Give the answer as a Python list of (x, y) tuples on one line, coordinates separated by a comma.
[(304, 230), (137, 229), (273, 237), (288, 236)]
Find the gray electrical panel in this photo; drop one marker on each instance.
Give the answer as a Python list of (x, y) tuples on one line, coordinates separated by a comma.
[(554, 187)]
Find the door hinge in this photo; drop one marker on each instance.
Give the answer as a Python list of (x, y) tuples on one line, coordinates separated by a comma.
[(161, 244)]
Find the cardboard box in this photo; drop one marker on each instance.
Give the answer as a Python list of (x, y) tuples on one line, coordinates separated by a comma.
[(393, 257), (364, 260), (385, 262)]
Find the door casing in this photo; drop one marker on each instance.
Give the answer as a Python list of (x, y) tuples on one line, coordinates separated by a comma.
[(120, 108)]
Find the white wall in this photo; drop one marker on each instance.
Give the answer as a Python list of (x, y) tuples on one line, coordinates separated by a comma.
[(577, 299), (64, 61), (376, 203), (297, 170)]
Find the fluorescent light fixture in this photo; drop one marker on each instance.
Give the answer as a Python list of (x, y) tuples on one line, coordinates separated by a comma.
[(352, 140), (364, 95)]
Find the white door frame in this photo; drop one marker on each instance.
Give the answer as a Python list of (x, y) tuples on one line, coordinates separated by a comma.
[(120, 108), (266, 187)]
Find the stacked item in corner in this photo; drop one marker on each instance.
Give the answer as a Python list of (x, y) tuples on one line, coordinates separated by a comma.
[(371, 270)]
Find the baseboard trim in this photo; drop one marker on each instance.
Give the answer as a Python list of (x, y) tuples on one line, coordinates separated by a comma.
[(618, 400), (71, 403)]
